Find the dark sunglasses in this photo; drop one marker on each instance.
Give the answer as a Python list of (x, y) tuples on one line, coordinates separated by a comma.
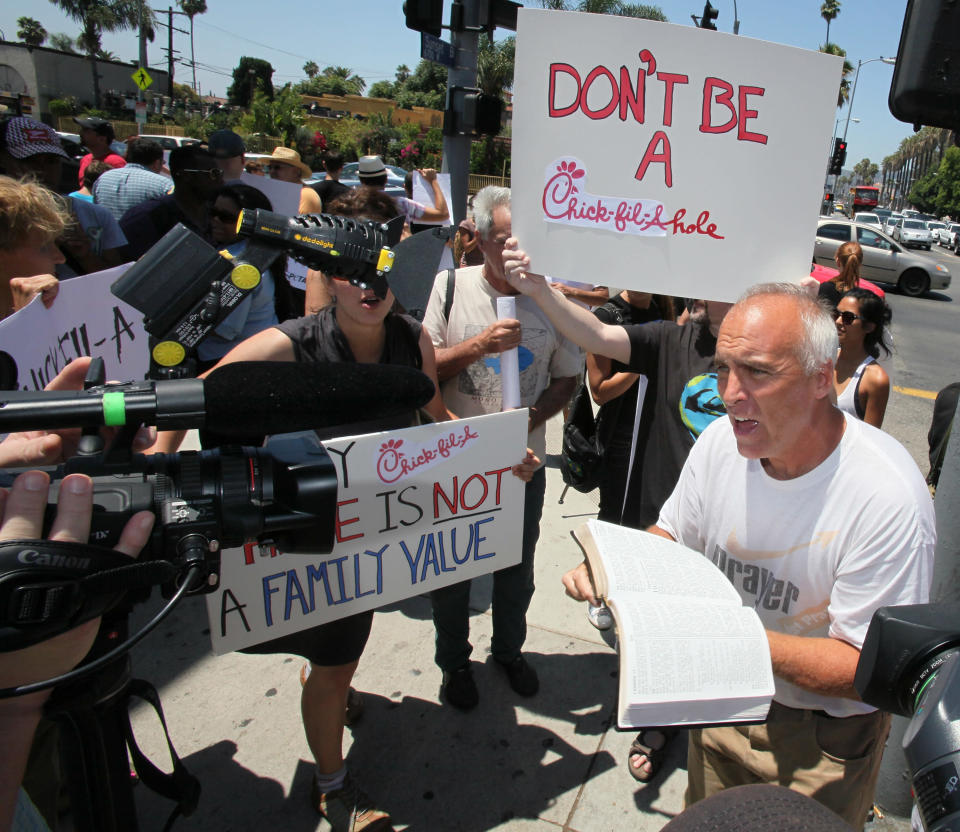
[(224, 216), (212, 173), (847, 317)]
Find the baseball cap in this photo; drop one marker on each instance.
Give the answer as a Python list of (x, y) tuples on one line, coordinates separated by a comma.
[(100, 125), (27, 137), (225, 144)]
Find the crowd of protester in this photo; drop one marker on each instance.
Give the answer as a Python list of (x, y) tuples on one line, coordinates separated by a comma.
[(661, 381)]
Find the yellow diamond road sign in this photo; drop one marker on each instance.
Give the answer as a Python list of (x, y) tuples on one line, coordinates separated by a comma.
[(142, 78)]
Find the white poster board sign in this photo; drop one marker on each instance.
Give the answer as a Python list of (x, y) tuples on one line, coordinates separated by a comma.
[(417, 509), (85, 319), (423, 193), (285, 199), (667, 158)]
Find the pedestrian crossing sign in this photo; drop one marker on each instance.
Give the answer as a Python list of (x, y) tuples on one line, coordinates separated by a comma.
[(142, 78)]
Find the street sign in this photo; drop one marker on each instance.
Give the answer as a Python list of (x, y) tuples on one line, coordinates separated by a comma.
[(140, 111), (142, 78), (436, 50)]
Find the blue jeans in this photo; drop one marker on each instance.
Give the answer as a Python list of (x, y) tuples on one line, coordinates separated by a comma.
[(512, 591)]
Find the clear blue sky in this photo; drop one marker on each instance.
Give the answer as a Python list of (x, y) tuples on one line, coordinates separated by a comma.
[(369, 36)]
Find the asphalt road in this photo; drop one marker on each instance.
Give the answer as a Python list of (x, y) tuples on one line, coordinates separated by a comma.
[(924, 360)]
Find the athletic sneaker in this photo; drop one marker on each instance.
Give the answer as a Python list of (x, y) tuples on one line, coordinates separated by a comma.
[(600, 616), (348, 809)]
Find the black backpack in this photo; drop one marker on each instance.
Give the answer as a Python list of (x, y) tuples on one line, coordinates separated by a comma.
[(581, 458)]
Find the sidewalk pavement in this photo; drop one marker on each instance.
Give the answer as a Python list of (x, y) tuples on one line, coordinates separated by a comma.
[(552, 762)]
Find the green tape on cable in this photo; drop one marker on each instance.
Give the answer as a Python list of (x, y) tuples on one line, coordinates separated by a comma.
[(114, 408)]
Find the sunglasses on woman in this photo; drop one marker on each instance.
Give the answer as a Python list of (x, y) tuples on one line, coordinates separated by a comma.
[(848, 318), (224, 216)]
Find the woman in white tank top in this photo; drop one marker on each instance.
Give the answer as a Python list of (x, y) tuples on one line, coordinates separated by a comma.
[(861, 384)]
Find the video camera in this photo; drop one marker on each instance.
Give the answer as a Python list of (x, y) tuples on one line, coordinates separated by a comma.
[(185, 287), (910, 665)]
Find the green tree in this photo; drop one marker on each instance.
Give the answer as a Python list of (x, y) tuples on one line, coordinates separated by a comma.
[(310, 69), (63, 42), (829, 11), (98, 16), (403, 72), (865, 171), (381, 89), (192, 8), (30, 31), (607, 7), (948, 184), (844, 94), (249, 75), (280, 115), (426, 87), (924, 192)]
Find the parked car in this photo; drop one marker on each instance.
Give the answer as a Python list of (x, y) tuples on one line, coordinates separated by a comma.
[(868, 219), (884, 261), (395, 177), (947, 235), (824, 273), (910, 232), (169, 142)]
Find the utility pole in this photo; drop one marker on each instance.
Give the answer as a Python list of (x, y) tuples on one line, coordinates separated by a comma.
[(170, 51)]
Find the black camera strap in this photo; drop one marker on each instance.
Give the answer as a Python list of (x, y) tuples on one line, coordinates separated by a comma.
[(48, 587), (179, 785)]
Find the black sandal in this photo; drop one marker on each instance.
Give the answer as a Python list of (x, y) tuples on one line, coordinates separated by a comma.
[(641, 745)]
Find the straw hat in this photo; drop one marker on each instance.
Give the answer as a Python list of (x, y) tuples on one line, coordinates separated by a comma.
[(288, 156)]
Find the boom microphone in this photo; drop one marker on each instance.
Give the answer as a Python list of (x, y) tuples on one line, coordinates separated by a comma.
[(240, 399)]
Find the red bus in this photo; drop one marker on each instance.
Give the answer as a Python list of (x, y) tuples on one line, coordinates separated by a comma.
[(864, 198)]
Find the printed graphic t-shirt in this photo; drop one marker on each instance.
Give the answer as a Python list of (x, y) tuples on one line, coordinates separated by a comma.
[(815, 555), (477, 390)]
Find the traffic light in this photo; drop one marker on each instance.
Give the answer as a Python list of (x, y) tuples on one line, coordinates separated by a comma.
[(424, 15), (839, 157), (470, 112), (709, 15)]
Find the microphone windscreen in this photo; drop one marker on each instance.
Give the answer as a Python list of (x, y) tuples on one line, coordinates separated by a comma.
[(265, 397), (757, 808)]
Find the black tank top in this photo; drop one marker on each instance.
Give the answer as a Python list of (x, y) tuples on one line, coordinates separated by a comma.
[(317, 339)]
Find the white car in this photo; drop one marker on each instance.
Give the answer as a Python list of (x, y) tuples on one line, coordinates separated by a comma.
[(913, 233), (947, 236), (934, 227), (169, 142), (868, 219), (891, 223)]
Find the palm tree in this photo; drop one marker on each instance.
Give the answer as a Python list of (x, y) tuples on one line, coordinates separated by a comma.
[(99, 16), (63, 42), (844, 94), (191, 8), (828, 11), (311, 70), (30, 31), (353, 83)]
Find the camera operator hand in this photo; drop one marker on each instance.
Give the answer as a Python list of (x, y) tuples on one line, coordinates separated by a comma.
[(39, 447), (22, 509)]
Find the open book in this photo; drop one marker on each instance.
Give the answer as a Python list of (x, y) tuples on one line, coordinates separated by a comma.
[(690, 653)]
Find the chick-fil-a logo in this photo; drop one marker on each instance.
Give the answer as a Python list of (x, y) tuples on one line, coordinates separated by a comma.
[(566, 203), (395, 461)]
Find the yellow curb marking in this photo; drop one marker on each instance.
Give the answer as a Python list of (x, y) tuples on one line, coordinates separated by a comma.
[(912, 391)]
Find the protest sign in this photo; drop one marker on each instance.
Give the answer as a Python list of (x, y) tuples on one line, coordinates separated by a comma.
[(85, 319), (285, 199), (667, 158), (417, 509)]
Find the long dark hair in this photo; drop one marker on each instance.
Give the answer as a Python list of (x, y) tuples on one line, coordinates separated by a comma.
[(250, 198), (874, 311)]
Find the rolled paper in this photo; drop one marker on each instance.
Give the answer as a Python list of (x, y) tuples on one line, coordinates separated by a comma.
[(509, 359)]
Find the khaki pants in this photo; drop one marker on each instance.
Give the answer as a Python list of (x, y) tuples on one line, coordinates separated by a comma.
[(835, 761)]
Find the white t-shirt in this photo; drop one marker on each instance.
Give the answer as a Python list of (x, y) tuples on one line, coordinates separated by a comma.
[(477, 389), (818, 554)]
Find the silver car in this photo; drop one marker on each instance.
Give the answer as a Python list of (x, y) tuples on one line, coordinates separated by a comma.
[(912, 232), (884, 261)]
